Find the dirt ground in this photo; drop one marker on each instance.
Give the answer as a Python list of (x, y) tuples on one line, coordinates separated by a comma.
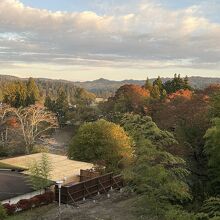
[(117, 207)]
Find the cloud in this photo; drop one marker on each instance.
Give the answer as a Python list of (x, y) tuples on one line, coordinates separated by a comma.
[(146, 35)]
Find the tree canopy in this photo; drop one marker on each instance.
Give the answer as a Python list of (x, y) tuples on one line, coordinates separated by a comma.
[(21, 94), (212, 150), (103, 143), (128, 98)]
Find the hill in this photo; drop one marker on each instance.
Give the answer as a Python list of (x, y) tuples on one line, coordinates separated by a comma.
[(105, 88), (101, 87)]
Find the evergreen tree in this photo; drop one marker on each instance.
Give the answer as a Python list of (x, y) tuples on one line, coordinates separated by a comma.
[(15, 94), (158, 82), (177, 83), (32, 92), (49, 104), (61, 107), (148, 85), (158, 176), (163, 94), (155, 92), (212, 150)]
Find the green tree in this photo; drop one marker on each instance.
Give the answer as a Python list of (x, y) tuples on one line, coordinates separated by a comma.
[(32, 92), (177, 83), (155, 92), (210, 209), (215, 105), (148, 85), (15, 94), (212, 150), (103, 143), (84, 97), (49, 103), (61, 107), (40, 172), (158, 82), (157, 175)]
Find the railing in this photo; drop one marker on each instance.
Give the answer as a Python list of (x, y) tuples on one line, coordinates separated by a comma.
[(72, 193)]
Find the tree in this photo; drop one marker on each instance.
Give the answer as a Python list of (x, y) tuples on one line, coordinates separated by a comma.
[(158, 82), (21, 94), (61, 107), (102, 143), (177, 83), (156, 175), (155, 92), (32, 122), (148, 85), (40, 172), (215, 105), (49, 103), (139, 127), (84, 97), (186, 115), (212, 150), (15, 94), (128, 98), (8, 123), (210, 209), (32, 92)]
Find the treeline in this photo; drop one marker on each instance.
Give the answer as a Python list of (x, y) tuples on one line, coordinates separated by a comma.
[(50, 88), (134, 98), (61, 98), (106, 88)]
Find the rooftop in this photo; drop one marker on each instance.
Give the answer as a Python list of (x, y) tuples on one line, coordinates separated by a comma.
[(13, 184), (61, 165)]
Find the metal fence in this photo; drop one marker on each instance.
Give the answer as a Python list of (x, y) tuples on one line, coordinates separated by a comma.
[(72, 193)]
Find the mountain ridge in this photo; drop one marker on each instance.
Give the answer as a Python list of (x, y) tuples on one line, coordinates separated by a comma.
[(105, 87)]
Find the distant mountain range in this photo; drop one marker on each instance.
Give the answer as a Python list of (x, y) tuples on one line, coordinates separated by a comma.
[(105, 88)]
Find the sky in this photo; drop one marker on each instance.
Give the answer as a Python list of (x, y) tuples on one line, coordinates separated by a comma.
[(83, 40)]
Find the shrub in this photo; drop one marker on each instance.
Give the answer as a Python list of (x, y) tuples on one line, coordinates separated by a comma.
[(24, 204), (3, 213), (10, 209)]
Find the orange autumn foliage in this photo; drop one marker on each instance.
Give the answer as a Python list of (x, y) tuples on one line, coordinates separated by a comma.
[(187, 94), (134, 90)]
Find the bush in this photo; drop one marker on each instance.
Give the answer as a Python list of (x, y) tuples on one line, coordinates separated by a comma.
[(24, 204), (3, 213), (40, 149), (10, 209)]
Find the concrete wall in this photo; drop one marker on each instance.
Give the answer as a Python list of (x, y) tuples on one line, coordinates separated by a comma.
[(25, 196)]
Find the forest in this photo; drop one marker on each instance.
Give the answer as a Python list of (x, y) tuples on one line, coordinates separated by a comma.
[(164, 137)]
